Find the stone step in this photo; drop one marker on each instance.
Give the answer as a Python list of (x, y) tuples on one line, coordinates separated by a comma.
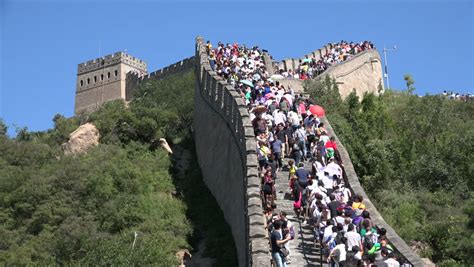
[(303, 250)]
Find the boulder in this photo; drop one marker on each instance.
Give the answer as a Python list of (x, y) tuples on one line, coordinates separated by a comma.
[(81, 140), (164, 144), (183, 257), (428, 262)]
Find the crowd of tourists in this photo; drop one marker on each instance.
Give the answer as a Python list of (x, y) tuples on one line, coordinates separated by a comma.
[(320, 195), (458, 96), (309, 68), (291, 138), (241, 67)]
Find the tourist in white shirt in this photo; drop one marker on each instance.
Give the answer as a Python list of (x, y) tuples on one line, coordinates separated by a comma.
[(328, 182), (353, 238), (338, 253), (346, 193), (391, 260), (293, 118), (279, 116)]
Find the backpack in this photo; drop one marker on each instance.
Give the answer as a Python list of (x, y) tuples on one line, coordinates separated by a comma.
[(368, 242), (292, 232)]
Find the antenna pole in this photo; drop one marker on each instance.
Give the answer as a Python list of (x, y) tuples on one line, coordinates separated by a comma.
[(386, 62)]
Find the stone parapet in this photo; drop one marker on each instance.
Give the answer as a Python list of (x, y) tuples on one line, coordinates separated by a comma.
[(294, 63), (134, 79), (362, 72), (225, 144)]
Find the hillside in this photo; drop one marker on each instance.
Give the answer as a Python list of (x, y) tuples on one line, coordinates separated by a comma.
[(86, 209), (414, 156)]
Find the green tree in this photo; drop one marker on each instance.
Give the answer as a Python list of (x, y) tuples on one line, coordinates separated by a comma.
[(3, 128), (85, 209), (414, 157), (410, 82), (325, 92)]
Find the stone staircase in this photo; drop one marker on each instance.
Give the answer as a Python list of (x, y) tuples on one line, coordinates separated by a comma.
[(304, 251)]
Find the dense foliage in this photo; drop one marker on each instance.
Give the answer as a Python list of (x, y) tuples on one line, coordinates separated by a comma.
[(85, 210), (415, 158)]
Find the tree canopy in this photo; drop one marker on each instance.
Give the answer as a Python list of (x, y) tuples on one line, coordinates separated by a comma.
[(415, 158), (86, 209)]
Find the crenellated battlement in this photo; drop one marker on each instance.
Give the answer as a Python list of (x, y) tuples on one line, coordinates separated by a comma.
[(134, 79), (109, 60)]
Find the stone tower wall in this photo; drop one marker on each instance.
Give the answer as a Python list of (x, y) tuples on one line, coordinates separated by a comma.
[(104, 79)]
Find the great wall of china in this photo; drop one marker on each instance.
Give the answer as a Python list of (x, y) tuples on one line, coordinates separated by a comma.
[(225, 144)]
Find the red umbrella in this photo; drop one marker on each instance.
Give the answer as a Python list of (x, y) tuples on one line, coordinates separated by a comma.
[(316, 110)]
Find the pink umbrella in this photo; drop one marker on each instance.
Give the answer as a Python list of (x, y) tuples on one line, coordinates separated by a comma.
[(316, 110)]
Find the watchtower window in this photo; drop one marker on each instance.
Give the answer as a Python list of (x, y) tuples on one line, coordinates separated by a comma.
[(88, 80), (82, 82), (95, 79), (102, 77), (116, 73), (108, 75)]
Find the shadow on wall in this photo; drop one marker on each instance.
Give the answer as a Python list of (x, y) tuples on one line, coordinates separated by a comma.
[(225, 145)]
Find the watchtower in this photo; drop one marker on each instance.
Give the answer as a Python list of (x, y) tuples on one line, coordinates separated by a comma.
[(104, 79)]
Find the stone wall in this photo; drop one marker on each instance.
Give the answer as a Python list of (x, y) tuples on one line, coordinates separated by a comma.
[(91, 99), (294, 63), (133, 79), (362, 72), (352, 180), (225, 145)]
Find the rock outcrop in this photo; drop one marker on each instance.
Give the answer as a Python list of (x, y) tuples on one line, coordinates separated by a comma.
[(81, 140), (164, 144)]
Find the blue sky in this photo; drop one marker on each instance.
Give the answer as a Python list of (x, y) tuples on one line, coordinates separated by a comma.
[(43, 41)]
